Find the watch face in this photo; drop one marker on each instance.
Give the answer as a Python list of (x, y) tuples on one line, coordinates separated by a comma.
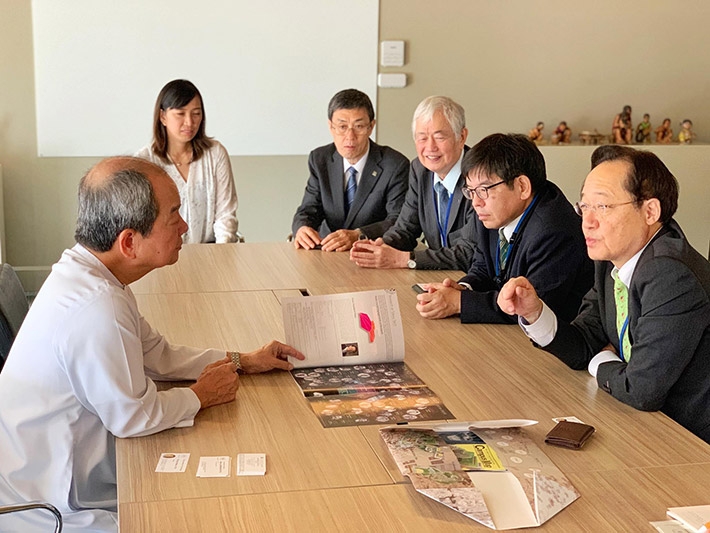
[(411, 263)]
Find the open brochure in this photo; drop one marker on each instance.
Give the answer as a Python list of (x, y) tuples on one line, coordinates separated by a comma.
[(692, 517), (527, 491), (352, 328), (353, 373)]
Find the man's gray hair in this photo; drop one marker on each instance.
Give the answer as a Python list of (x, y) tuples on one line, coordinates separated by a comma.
[(125, 200), (453, 112)]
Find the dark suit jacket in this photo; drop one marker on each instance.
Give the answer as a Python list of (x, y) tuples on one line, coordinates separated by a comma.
[(378, 199), (549, 250), (669, 330), (419, 215)]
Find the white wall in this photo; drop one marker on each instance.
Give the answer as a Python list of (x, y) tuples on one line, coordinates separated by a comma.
[(509, 63)]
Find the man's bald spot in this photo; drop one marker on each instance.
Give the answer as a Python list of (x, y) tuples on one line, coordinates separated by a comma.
[(107, 168)]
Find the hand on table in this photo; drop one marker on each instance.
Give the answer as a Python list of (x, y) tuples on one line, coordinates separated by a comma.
[(306, 237), (440, 300), (217, 384), (340, 240), (377, 254)]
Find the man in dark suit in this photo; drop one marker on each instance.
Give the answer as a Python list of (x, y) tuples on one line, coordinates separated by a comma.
[(524, 227), (356, 187), (644, 329), (434, 203)]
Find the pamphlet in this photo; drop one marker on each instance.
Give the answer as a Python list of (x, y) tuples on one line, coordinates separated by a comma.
[(345, 329), (354, 347), (359, 378), (527, 491), (693, 517)]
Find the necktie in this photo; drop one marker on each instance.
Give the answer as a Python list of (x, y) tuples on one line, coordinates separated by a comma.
[(350, 189), (443, 202), (621, 299), (504, 247)]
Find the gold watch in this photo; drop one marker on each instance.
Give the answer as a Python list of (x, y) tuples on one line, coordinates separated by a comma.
[(236, 358)]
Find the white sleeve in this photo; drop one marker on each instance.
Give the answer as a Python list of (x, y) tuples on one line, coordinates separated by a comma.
[(543, 330), (226, 203), (605, 356), (102, 349)]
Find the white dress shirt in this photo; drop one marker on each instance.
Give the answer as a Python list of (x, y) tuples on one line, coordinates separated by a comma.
[(79, 375)]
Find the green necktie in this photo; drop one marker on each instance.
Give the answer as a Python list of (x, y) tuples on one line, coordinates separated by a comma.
[(621, 299), (504, 247)]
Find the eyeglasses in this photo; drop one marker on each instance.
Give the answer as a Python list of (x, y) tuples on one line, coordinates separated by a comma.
[(481, 191), (342, 129), (601, 210)]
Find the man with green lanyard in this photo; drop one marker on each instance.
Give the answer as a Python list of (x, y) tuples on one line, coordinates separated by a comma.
[(643, 331)]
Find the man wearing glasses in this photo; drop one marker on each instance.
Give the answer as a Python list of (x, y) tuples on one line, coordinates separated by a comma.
[(524, 227), (434, 204), (356, 187), (644, 330)]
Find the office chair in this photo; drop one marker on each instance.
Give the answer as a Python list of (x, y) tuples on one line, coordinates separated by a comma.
[(13, 308), (5, 509)]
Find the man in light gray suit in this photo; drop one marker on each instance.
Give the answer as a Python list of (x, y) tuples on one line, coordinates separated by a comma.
[(434, 204), (356, 187)]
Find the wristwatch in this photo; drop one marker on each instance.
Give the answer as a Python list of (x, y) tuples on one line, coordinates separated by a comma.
[(237, 360), (412, 263)]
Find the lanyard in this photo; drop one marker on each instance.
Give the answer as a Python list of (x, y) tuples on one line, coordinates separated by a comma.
[(442, 231), (513, 240), (621, 338)]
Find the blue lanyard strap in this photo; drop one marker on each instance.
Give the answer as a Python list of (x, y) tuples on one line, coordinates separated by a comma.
[(442, 231), (621, 339), (513, 241)]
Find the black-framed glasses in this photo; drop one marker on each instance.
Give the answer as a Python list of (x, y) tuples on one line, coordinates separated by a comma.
[(601, 210), (481, 191)]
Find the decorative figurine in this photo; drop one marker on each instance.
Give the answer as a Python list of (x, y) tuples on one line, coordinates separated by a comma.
[(562, 134), (664, 132), (643, 130), (686, 134), (535, 134), (621, 128)]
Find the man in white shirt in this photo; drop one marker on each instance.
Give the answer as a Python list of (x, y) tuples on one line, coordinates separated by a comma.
[(80, 370), (643, 331)]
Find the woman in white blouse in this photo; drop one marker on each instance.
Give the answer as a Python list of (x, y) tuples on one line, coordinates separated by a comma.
[(199, 165)]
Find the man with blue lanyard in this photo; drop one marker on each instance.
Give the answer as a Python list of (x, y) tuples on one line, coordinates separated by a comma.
[(643, 331), (524, 227), (434, 204)]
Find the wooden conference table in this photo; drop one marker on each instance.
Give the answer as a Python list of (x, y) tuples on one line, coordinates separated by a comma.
[(227, 296)]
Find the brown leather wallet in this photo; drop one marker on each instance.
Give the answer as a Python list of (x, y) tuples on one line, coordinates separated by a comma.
[(569, 434)]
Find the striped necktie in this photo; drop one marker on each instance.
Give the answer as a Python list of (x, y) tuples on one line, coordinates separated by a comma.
[(621, 299), (350, 189), (504, 248)]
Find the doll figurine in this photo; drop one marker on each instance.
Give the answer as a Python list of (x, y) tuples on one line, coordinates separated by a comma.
[(686, 134), (643, 130), (562, 134), (621, 128), (664, 132), (535, 134)]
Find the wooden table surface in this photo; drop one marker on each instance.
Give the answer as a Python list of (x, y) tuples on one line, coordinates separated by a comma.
[(635, 466)]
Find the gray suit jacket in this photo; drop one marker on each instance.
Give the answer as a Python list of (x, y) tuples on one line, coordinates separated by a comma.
[(419, 216), (378, 200), (669, 330)]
